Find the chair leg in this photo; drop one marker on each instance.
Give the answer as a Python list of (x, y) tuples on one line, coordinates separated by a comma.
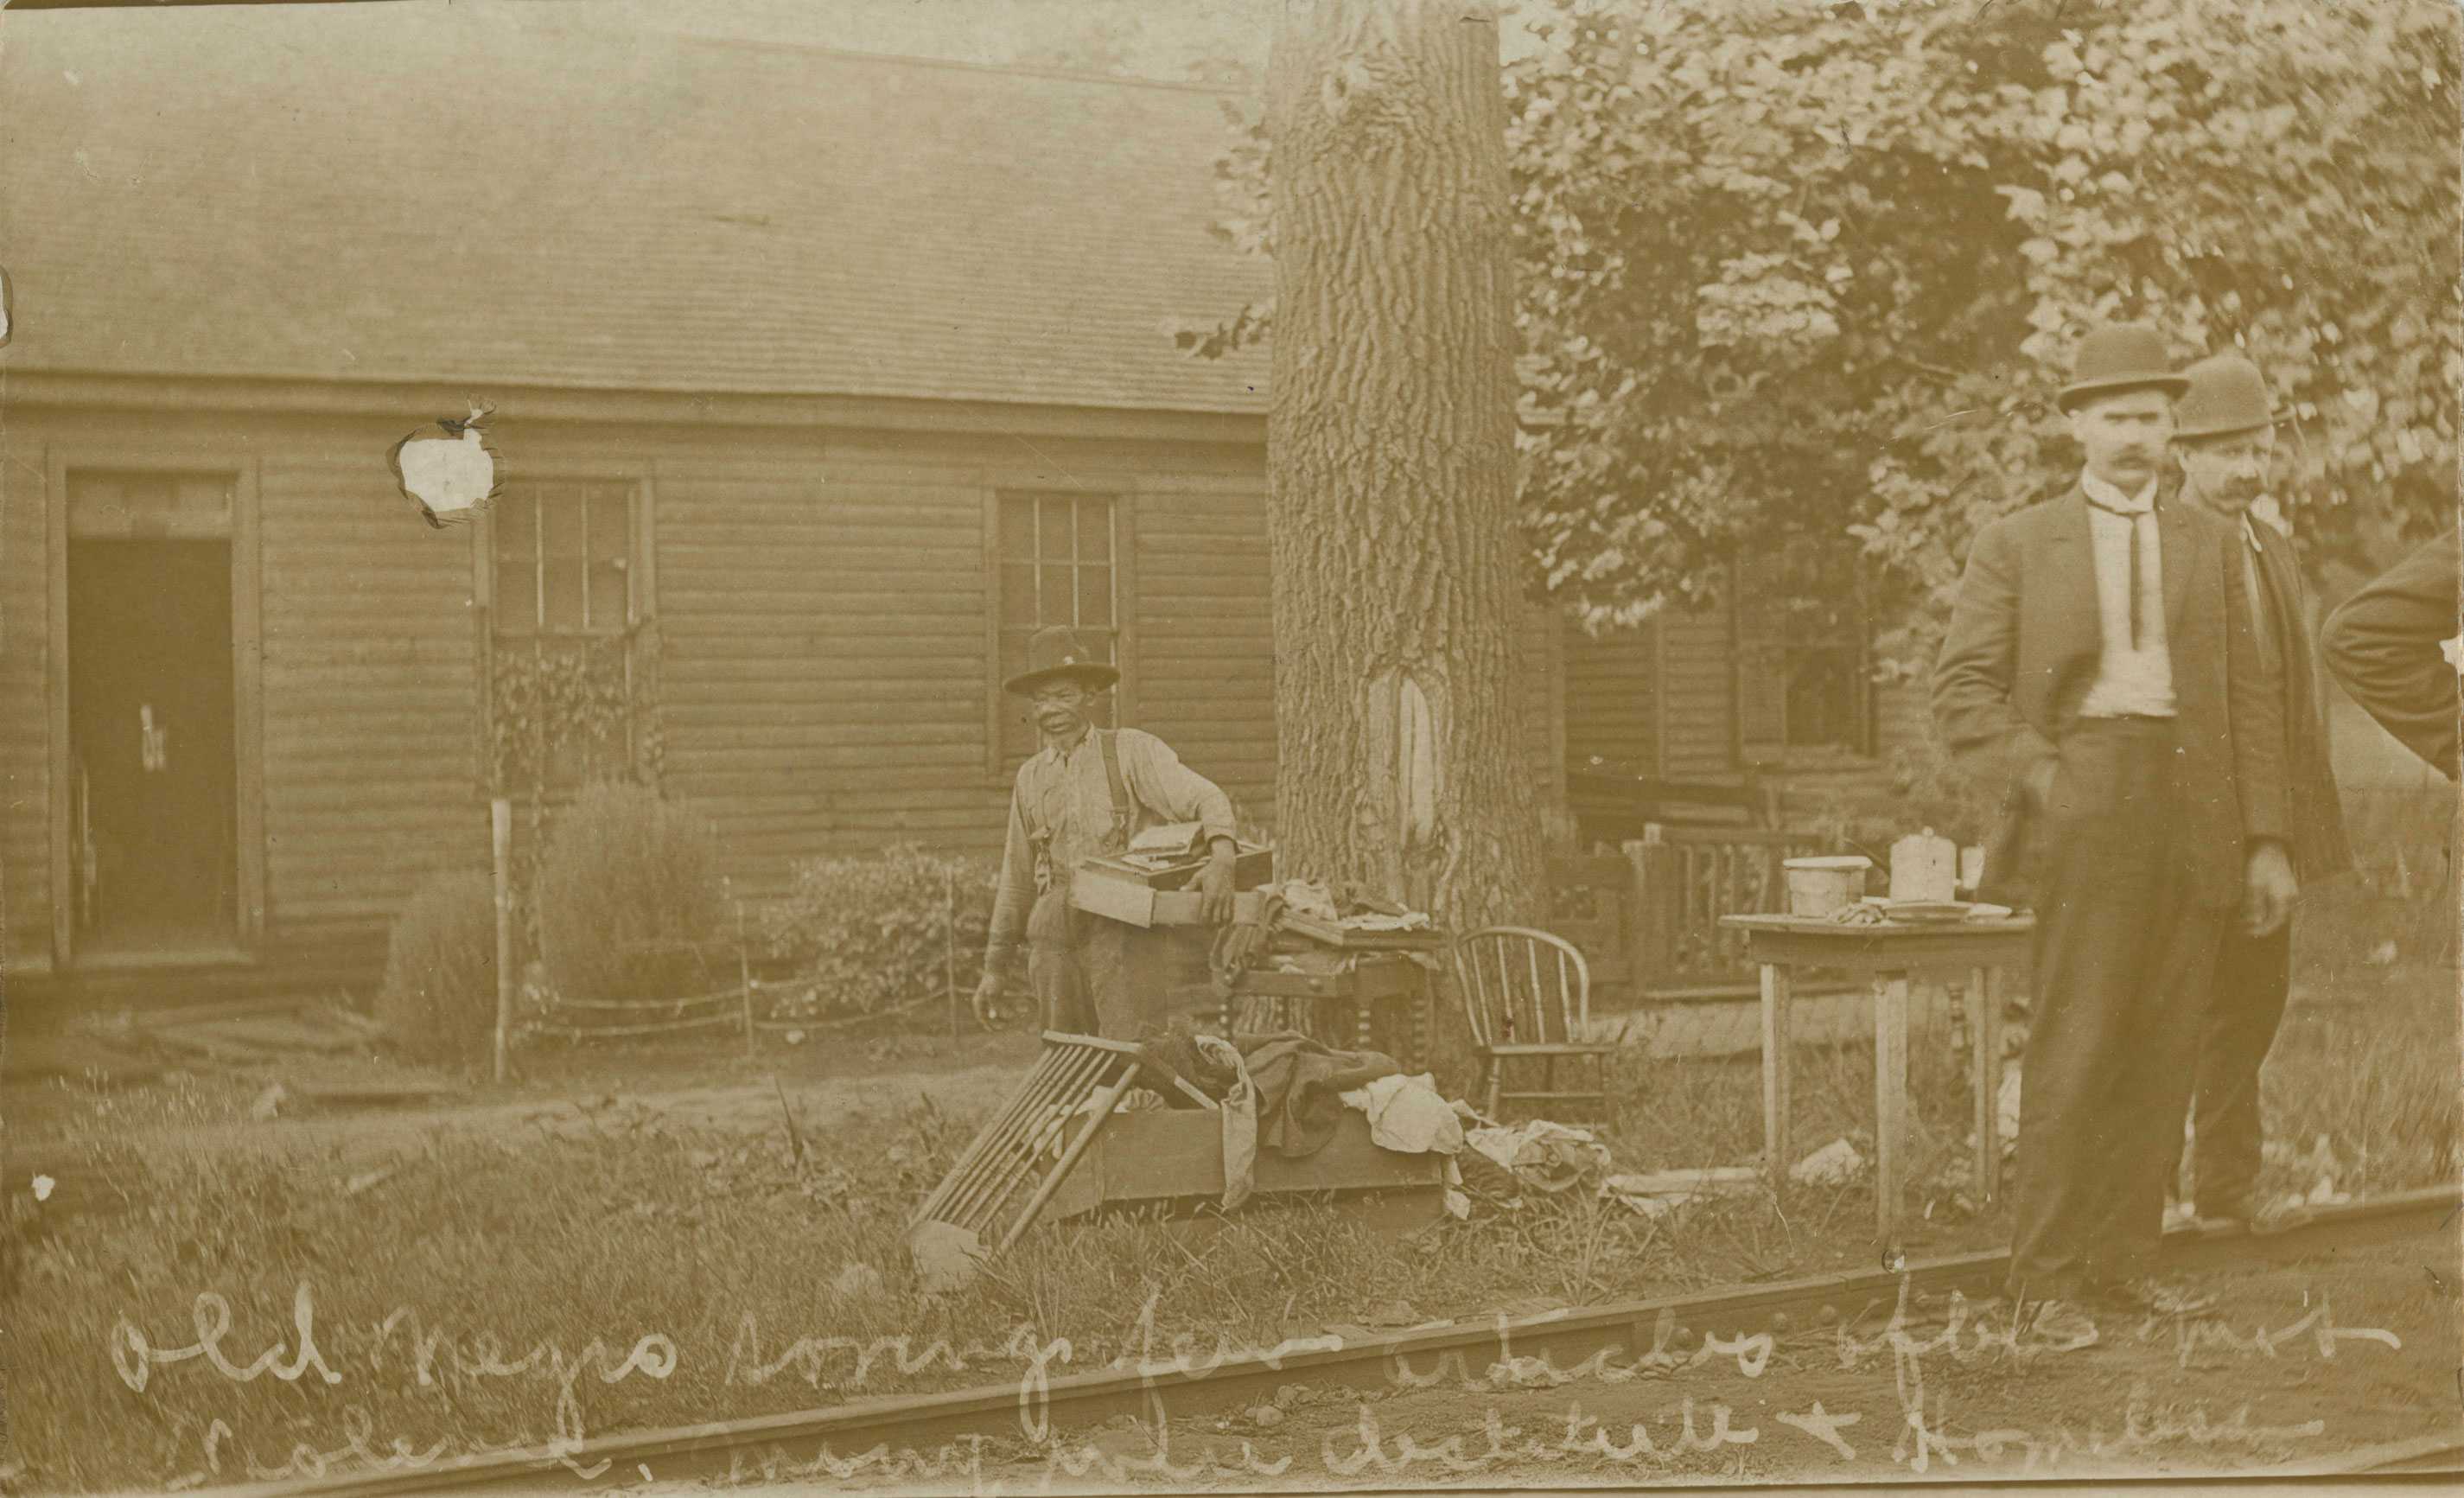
[(1495, 1067)]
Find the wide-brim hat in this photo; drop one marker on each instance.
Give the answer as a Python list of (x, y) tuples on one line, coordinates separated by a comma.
[(2227, 394), (1056, 654), (2123, 356)]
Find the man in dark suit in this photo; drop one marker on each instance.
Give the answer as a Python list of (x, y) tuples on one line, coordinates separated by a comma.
[(2098, 671), (2224, 437), (2390, 646)]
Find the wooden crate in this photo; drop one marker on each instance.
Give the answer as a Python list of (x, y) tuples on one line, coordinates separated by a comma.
[(1159, 1156)]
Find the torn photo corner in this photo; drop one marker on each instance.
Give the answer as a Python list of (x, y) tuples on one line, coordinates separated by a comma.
[(448, 469)]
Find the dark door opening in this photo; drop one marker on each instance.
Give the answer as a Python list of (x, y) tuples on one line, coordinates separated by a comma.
[(154, 767)]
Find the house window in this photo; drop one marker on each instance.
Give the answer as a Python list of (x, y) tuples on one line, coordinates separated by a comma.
[(1061, 560), (1803, 671), (562, 559)]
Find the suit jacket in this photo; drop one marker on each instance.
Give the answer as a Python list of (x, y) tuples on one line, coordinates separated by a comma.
[(2313, 808), (2022, 652), (2382, 644)]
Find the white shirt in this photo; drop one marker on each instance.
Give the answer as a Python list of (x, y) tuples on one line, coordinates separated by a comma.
[(2128, 682)]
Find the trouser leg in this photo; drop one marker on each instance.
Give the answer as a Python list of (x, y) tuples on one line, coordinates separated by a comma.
[(2158, 1061), (2110, 917), (2245, 1008), (1123, 972), (1053, 968)]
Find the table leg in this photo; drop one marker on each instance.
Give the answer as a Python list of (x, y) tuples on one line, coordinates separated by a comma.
[(1890, 1100), (1775, 1070), (1423, 1017), (1360, 1008), (1984, 1065)]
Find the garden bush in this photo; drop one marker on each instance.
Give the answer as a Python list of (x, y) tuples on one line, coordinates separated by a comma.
[(439, 998), (628, 886), (874, 932)]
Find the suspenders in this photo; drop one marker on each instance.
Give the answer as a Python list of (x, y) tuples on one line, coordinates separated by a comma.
[(1124, 809)]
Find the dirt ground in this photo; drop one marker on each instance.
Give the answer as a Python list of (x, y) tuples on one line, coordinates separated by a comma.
[(2298, 1363)]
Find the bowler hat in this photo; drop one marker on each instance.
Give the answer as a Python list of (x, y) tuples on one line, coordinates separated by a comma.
[(1056, 654), (2227, 394), (2122, 356)]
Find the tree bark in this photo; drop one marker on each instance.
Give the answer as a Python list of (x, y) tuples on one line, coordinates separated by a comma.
[(1391, 461)]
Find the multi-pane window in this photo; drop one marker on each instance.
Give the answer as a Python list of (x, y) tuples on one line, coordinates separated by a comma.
[(562, 562), (1059, 564), (1802, 660)]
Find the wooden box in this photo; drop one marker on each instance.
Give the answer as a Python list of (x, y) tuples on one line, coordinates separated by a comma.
[(1157, 1156), (1140, 904)]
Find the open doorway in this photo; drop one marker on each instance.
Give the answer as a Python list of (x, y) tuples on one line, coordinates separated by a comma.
[(153, 762)]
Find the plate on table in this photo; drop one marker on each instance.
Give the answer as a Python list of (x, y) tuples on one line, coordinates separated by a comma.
[(1927, 912)]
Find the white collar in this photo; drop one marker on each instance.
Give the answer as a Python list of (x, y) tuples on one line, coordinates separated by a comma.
[(2112, 498)]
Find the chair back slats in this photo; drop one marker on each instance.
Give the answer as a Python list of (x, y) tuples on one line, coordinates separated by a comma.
[(1526, 1002)]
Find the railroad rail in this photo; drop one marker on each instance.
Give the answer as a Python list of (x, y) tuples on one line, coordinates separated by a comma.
[(924, 1422)]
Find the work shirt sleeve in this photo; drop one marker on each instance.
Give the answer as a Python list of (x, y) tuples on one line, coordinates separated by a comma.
[(1163, 784), (1016, 890), (2384, 645)]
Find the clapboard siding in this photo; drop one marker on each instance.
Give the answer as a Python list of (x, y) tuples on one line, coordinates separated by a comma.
[(1205, 636), (371, 698), (25, 731), (824, 639), (1697, 695), (1611, 696)]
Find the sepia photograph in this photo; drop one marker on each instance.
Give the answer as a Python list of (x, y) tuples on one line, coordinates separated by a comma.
[(1285, 746)]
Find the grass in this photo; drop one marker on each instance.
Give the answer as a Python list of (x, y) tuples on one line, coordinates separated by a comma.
[(496, 1290)]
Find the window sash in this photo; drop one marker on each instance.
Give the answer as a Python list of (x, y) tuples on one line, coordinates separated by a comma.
[(561, 557), (563, 554), (1058, 558)]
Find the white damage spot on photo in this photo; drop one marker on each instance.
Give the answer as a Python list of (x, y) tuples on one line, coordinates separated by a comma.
[(448, 469), (8, 309)]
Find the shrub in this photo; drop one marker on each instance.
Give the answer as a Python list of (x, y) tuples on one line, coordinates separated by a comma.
[(628, 886), (875, 931), (439, 999)]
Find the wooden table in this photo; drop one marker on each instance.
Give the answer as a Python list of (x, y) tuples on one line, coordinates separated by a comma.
[(1373, 978), (1887, 954)]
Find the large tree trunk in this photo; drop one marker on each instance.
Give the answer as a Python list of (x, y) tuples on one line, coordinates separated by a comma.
[(1391, 460)]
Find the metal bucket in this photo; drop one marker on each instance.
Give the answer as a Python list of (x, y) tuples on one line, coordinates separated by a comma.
[(1818, 887)]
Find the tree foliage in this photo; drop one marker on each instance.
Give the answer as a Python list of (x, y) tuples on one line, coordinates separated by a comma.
[(1789, 268)]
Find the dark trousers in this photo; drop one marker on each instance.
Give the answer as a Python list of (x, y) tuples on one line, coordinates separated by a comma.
[(1092, 975), (2245, 1006), (2122, 958)]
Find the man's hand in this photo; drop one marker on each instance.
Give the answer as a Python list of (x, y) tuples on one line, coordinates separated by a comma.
[(1215, 885), (2269, 889), (987, 999)]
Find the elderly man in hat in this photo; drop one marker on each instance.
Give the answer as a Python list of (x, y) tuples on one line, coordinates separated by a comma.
[(1085, 793), (2100, 672), (2224, 439)]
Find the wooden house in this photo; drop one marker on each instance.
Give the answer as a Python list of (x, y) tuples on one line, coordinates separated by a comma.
[(818, 380)]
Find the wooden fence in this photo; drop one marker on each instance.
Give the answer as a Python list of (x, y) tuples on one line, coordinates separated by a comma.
[(1649, 917)]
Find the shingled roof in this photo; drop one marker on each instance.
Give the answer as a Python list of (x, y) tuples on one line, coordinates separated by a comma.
[(413, 192)]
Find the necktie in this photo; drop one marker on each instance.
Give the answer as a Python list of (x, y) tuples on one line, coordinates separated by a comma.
[(2137, 545)]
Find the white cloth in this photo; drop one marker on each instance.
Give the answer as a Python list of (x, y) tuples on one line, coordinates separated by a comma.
[(1240, 1120), (1549, 1155), (1407, 1114), (2128, 682)]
